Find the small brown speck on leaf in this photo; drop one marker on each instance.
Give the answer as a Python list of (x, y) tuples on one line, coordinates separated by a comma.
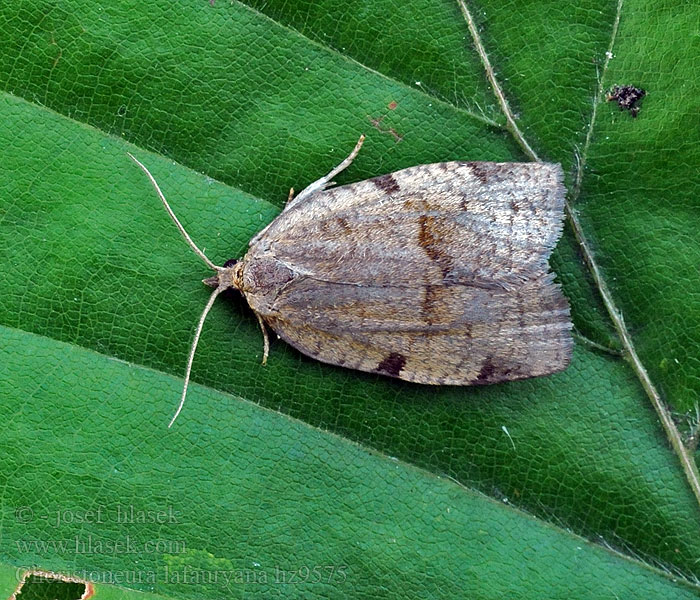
[(377, 124), (392, 105)]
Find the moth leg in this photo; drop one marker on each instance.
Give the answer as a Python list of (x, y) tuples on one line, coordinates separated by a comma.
[(325, 181), (266, 340), (290, 197)]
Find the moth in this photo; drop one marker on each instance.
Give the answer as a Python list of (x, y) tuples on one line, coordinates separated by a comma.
[(435, 274)]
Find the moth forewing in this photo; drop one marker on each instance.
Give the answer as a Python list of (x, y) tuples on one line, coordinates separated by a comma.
[(435, 274)]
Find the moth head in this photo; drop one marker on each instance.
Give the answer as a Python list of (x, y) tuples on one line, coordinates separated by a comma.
[(227, 276)]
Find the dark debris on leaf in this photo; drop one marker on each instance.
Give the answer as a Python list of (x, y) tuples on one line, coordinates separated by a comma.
[(627, 97)]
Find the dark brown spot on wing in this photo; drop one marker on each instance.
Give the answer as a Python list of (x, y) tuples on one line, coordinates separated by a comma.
[(343, 222), (386, 183), (417, 203), (392, 364), (430, 296), (491, 372), (335, 227), (429, 239), (479, 171), (487, 370)]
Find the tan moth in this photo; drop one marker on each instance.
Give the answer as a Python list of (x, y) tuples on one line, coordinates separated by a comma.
[(435, 274)]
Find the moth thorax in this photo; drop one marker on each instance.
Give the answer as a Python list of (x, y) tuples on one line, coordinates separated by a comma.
[(265, 276)]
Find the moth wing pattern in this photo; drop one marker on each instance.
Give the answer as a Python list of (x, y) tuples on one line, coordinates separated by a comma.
[(435, 274)]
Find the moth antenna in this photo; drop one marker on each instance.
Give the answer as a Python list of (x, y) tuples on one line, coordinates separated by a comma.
[(193, 347), (184, 233), (322, 183), (346, 163)]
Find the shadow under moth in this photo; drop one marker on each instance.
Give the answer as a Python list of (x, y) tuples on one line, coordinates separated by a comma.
[(436, 274)]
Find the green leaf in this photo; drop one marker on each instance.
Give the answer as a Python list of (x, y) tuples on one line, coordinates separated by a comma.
[(260, 102), (254, 503)]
